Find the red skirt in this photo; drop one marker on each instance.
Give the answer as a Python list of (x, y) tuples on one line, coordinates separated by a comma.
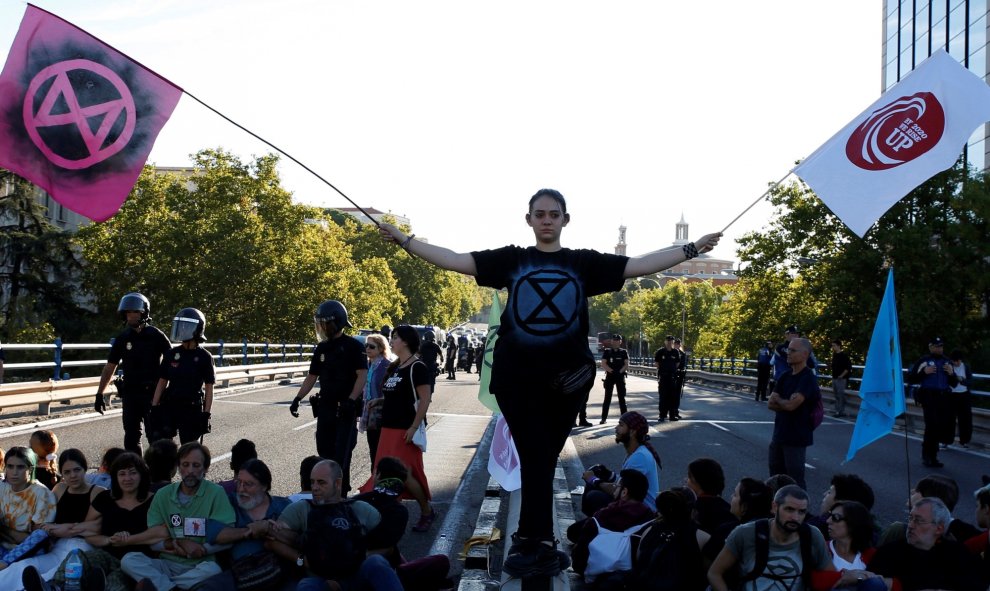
[(393, 443)]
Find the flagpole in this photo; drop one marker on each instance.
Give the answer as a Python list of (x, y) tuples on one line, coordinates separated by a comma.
[(760, 198), (287, 155)]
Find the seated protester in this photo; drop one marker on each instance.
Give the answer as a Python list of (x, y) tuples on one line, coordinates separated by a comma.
[(626, 511), (423, 574), (74, 499), (850, 533), (633, 433), (241, 452), (844, 487), (926, 558), (980, 543), (778, 481), (255, 513), (782, 551), (120, 511), (177, 517), (162, 457), (101, 477), (305, 487), (751, 500), (25, 505), (706, 478), (44, 444), (944, 489), (669, 557), (330, 534)]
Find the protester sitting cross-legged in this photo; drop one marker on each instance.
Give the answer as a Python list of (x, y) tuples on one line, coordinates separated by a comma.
[(305, 484), (162, 457), (633, 433), (102, 475), (329, 533), (241, 452), (946, 490), (25, 506), (406, 392), (844, 487), (626, 511), (707, 479), (44, 444), (120, 512), (256, 511), (65, 534), (751, 500)]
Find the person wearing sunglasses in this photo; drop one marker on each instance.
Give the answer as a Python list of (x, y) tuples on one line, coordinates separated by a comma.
[(850, 532), (376, 348)]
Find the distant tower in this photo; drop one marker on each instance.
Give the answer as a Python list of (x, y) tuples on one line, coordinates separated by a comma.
[(620, 248), (681, 232)]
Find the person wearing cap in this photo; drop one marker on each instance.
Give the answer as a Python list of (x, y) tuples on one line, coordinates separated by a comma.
[(935, 376), (633, 434), (667, 360), (615, 362), (763, 359)]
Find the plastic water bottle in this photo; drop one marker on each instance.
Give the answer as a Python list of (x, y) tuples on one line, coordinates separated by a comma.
[(73, 572)]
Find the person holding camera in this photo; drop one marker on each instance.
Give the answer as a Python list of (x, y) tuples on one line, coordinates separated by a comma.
[(600, 483), (936, 377), (184, 395)]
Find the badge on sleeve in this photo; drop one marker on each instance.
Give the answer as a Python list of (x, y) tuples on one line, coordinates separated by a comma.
[(194, 526)]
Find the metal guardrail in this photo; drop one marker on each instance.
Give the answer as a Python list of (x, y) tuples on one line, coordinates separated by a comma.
[(747, 367)]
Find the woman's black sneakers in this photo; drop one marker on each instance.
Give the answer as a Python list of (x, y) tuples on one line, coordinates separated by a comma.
[(534, 558)]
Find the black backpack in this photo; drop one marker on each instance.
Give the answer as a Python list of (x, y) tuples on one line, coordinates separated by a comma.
[(763, 554), (334, 544)]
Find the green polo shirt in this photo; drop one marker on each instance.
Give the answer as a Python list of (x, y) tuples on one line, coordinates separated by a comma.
[(189, 520)]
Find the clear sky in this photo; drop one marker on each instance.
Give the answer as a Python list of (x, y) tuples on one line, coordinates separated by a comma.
[(453, 112)]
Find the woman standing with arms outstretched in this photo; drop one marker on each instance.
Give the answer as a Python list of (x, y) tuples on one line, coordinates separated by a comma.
[(545, 319)]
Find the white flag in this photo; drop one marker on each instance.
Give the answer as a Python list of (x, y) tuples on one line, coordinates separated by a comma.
[(503, 459), (915, 130)]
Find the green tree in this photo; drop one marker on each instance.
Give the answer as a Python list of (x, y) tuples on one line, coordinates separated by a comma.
[(38, 266)]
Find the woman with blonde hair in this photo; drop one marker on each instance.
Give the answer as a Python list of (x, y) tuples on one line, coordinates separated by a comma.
[(376, 347)]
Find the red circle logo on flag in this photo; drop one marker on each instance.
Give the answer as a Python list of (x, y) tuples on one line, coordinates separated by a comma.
[(78, 113), (897, 133)]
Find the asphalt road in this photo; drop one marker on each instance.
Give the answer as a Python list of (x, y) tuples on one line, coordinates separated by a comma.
[(731, 428)]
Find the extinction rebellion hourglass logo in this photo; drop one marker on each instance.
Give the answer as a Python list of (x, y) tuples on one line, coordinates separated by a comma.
[(897, 133)]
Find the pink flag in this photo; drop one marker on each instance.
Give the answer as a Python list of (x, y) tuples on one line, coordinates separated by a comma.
[(915, 130), (77, 117)]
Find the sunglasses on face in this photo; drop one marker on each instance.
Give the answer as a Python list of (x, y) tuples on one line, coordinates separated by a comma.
[(836, 517), (372, 347)]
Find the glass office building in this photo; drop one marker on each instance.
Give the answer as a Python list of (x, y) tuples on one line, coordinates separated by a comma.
[(914, 28)]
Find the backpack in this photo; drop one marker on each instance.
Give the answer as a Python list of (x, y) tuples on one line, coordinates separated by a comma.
[(817, 413), (610, 551), (763, 555), (334, 544)]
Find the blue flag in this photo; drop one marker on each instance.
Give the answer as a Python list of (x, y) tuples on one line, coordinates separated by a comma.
[(882, 389)]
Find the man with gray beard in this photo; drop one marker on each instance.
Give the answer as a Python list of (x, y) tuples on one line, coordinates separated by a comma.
[(179, 515), (256, 512)]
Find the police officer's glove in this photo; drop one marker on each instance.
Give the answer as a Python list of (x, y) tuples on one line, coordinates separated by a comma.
[(204, 424), (100, 405), (294, 407), (602, 473)]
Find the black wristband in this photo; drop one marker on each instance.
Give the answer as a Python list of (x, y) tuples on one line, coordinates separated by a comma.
[(690, 250)]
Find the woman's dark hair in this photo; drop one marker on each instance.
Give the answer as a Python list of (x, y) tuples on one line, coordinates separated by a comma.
[(109, 456), (409, 336), (553, 194), (850, 487), (392, 467), (27, 455), (259, 470), (675, 506), (163, 460), (127, 460), (242, 451), (306, 471), (755, 499), (72, 455), (708, 474), (859, 522), (941, 487)]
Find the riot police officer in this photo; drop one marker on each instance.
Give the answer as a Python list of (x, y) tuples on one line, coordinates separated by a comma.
[(342, 368), (184, 395), (138, 351), (430, 352)]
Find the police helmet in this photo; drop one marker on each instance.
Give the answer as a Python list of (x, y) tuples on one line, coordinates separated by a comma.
[(330, 318), (136, 302), (428, 336), (188, 324)]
